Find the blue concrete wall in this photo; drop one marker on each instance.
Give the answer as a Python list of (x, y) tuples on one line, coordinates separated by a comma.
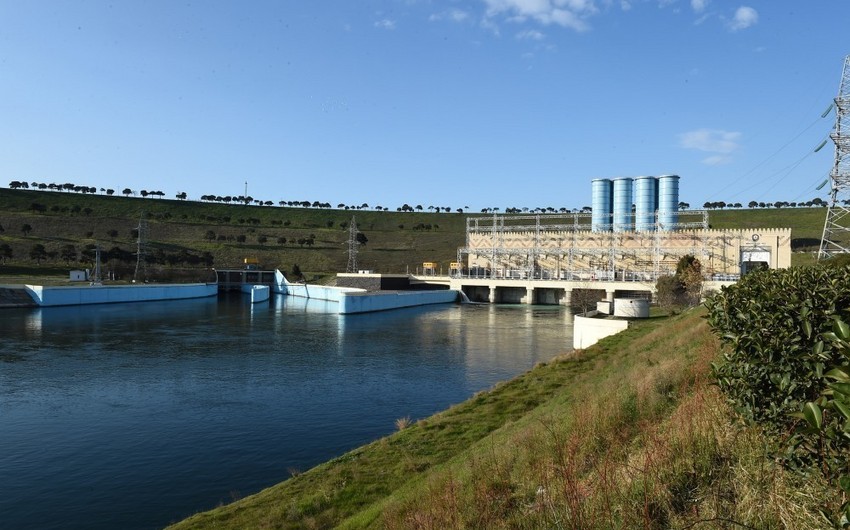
[(320, 292), (353, 300), (100, 294), (378, 301), (259, 293)]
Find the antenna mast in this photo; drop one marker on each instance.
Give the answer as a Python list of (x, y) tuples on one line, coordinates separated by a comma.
[(836, 230), (352, 246)]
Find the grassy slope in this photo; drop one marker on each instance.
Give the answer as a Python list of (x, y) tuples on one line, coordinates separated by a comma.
[(627, 434), (178, 225), (182, 225)]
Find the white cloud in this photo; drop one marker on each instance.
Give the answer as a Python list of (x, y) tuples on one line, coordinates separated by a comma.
[(744, 18), (625, 5), (530, 34), (717, 160), (699, 5), (385, 23), (720, 143), (454, 15), (564, 13)]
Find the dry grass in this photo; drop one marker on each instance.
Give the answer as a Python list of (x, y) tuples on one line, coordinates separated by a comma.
[(403, 423), (653, 449), (627, 434)]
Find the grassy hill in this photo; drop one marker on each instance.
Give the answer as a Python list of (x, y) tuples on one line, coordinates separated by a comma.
[(627, 434), (187, 235), (229, 233)]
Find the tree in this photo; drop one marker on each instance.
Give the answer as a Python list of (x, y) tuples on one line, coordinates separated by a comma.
[(5, 252), (684, 287), (127, 191), (241, 238), (361, 238), (584, 298), (296, 272), (38, 253), (181, 195), (262, 240), (690, 277), (26, 229), (210, 235), (110, 192), (68, 253)]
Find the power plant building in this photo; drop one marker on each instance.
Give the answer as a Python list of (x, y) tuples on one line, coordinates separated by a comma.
[(635, 232)]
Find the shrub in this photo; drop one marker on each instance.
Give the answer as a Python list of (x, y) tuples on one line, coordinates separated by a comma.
[(773, 320)]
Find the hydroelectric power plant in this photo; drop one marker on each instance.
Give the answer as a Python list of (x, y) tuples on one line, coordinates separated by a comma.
[(635, 234)]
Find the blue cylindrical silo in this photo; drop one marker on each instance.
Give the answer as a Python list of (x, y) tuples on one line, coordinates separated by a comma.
[(646, 203), (668, 202), (623, 200), (602, 204)]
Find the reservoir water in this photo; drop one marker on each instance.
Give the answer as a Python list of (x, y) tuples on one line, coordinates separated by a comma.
[(138, 415)]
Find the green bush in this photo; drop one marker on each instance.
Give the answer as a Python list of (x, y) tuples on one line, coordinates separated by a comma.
[(772, 321)]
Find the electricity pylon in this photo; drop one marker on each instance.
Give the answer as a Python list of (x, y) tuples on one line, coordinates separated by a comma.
[(836, 232), (352, 246)]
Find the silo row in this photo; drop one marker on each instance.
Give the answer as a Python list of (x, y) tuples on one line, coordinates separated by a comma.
[(612, 204)]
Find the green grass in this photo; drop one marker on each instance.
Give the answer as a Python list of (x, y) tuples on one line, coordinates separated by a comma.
[(627, 434), (181, 227)]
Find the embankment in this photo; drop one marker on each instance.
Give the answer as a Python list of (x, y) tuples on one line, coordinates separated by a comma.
[(626, 434)]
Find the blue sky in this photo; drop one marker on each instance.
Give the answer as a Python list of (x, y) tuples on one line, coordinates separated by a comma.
[(486, 103)]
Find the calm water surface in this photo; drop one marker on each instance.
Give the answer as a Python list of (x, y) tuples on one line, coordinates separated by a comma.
[(137, 415)]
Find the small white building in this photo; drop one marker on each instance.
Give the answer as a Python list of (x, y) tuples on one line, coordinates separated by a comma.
[(79, 276)]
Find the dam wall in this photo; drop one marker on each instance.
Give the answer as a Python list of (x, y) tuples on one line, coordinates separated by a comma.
[(111, 294), (382, 301), (258, 293), (319, 292)]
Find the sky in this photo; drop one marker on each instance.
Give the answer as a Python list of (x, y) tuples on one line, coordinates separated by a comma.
[(479, 103)]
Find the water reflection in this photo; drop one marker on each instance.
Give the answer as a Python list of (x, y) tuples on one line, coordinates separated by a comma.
[(133, 415)]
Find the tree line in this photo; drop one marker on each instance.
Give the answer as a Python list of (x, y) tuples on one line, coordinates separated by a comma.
[(249, 200)]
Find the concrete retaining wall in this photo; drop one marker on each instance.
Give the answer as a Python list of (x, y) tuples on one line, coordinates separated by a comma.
[(353, 300), (368, 302), (374, 282), (102, 294), (259, 293), (320, 292), (587, 330)]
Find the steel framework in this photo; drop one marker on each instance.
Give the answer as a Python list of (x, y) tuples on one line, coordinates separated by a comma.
[(141, 250), (352, 247), (562, 246), (835, 229)]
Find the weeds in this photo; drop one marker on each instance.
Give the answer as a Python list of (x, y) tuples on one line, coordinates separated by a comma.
[(403, 423)]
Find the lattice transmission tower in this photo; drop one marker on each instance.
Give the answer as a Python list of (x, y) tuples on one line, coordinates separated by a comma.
[(836, 229), (352, 246), (141, 251)]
